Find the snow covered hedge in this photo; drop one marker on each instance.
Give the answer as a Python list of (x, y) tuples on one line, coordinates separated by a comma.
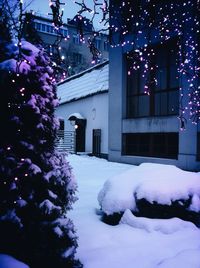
[(37, 187), (153, 190)]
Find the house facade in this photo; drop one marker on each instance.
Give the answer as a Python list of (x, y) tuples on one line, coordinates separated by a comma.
[(75, 53), (83, 110), (145, 127)]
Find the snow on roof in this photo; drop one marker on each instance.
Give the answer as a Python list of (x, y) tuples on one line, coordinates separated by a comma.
[(86, 83), (75, 115)]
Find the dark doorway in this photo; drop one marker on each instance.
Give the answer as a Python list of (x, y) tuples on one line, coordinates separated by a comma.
[(96, 142), (80, 135)]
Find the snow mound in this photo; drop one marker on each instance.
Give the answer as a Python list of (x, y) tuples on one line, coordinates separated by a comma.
[(165, 226), (7, 261), (29, 54), (117, 193), (158, 183), (185, 259)]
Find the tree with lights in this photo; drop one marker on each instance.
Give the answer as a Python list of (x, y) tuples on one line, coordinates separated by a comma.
[(37, 187), (36, 184)]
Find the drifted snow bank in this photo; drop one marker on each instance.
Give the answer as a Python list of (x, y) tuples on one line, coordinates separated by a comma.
[(158, 183), (105, 246), (7, 261), (165, 226)]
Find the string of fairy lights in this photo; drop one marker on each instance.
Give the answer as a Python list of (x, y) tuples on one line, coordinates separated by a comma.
[(153, 21), (139, 24), (146, 20), (81, 23)]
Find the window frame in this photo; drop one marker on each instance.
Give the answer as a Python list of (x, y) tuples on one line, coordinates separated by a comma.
[(76, 39), (165, 149), (154, 92), (77, 58), (198, 147), (98, 43)]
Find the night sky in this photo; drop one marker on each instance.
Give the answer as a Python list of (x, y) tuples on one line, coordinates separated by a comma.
[(70, 9)]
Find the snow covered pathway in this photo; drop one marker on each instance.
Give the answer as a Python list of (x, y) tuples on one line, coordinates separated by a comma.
[(122, 246)]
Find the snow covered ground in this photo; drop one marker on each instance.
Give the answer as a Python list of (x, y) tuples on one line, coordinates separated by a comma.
[(141, 243), (135, 242)]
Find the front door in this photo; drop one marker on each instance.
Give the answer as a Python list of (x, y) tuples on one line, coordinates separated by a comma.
[(80, 135)]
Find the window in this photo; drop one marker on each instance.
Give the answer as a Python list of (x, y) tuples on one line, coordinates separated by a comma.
[(164, 97), (38, 26), (64, 32), (51, 29), (98, 43), (105, 46), (164, 145), (43, 27), (77, 58), (198, 146), (76, 40), (48, 28)]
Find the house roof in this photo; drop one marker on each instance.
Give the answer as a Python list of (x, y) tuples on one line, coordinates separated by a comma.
[(89, 82)]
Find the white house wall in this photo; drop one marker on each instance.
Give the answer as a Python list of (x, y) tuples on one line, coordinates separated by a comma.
[(95, 110)]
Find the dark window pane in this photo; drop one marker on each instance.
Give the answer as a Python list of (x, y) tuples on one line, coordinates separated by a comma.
[(98, 44), (161, 57), (38, 26), (164, 145), (172, 144), (144, 143), (132, 107), (105, 45), (52, 29), (161, 76), (163, 103), (198, 146), (141, 82), (173, 52), (143, 105), (160, 104), (77, 58), (133, 82), (48, 28), (43, 27), (173, 81), (173, 105), (158, 144), (157, 104)]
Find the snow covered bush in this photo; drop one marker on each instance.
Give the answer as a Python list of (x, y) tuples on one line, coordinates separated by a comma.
[(36, 183), (165, 226), (152, 190)]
